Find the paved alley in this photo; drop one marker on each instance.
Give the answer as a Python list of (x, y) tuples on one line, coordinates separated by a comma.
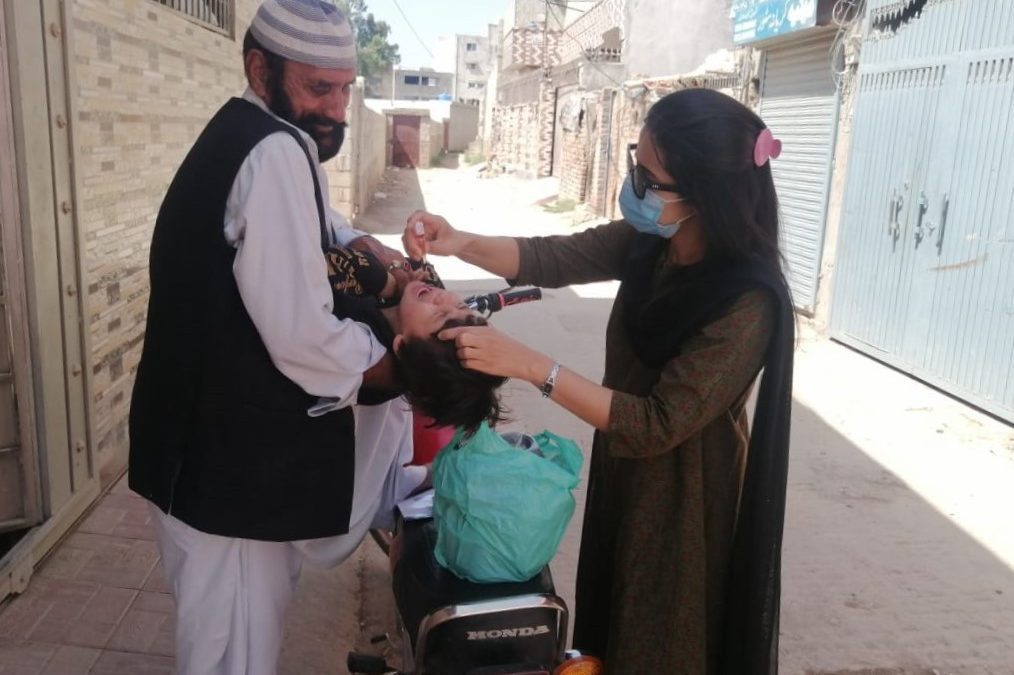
[(898, 559)]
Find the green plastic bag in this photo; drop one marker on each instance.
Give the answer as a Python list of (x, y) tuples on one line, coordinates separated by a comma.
[(501, 511)]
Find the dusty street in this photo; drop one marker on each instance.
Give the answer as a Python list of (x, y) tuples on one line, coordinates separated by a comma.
[(899, 555)]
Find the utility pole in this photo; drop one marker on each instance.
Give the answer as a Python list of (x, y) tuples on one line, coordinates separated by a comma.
[(394, 78)]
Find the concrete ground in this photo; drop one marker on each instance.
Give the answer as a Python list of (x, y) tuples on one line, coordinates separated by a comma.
[(899, 550)]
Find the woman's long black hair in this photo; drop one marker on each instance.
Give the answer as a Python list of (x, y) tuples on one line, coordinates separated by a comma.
[(705, 140)]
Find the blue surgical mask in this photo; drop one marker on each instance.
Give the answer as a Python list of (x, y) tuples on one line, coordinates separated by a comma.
[(643, 214)]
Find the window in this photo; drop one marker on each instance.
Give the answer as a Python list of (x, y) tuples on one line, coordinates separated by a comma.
[(471, 47), (411, 79), (475, 85), (218, 15)]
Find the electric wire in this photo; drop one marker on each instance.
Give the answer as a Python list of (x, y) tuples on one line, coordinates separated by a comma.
[(412, 28)]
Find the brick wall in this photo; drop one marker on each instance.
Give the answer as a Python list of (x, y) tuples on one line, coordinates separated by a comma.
[(354, 174), (148, 80), (604, 133), (574, 166), (516, 142), (575, 145), (523, 125)]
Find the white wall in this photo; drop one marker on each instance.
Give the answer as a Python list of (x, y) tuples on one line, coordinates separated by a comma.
[(445, 55), (672, 37), (463, 127)]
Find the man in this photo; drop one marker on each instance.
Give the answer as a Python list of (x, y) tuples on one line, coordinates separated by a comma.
[(241, 425)]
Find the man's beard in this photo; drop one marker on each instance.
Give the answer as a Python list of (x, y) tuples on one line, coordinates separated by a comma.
[(326, 133)]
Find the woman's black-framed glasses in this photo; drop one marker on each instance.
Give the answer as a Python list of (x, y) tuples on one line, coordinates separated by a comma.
[(638, 179)]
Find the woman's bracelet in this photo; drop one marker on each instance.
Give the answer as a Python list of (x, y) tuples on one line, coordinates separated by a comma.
[(547, 386)]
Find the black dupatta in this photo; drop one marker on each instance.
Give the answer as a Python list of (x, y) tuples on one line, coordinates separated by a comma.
[(658, 319)]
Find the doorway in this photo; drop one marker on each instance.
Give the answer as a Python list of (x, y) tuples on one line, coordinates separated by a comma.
[(405, 153)]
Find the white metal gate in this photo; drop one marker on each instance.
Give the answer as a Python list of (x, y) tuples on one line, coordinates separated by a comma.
[(19, 494), (925, 272), (799, 102)]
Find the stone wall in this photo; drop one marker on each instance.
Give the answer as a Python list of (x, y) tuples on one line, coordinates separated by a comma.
[(148, 79)]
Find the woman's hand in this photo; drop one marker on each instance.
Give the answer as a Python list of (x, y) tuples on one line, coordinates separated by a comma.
[(426, 232), (489, 351)]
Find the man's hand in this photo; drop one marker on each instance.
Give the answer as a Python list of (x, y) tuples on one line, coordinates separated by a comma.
[(381, 376), (395, 262)]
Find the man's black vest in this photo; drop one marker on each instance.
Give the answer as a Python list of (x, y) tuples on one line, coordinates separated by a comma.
[(219, 438)]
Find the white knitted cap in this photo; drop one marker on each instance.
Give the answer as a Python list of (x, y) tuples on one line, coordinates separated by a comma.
[(313, 32)]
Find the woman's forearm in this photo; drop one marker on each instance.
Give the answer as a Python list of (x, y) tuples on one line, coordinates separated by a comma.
[(582, 397), (498, 255)]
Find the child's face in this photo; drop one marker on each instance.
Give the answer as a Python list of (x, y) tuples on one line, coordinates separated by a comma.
[(424, 310)]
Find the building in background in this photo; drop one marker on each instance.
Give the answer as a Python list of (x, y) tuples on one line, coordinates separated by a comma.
[(670, 37), (535, 13), (559, 59), (471, 59), (415, 84)]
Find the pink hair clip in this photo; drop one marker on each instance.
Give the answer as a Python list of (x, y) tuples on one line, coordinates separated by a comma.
[(767, 148)]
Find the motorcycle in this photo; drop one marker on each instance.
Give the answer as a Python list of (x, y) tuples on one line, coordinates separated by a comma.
[(450, 626)]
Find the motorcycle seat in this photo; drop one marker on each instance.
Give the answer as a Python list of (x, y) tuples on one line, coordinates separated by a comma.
[(422, 585)]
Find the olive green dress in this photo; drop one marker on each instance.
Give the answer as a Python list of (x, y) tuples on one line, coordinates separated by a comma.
[(665, 478)]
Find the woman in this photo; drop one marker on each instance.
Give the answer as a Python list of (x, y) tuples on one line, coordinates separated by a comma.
[(680, 554)]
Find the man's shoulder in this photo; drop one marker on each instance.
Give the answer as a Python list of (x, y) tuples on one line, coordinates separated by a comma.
[(239, 118)]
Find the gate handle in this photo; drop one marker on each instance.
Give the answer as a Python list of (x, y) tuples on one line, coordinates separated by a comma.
[(892, 209), (923, 208), (897, 204), (943, 223)]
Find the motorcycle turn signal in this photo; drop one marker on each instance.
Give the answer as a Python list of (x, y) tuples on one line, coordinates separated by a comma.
[(580, 664)]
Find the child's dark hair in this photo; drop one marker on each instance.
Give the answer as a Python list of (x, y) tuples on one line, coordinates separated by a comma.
[(439, 386)]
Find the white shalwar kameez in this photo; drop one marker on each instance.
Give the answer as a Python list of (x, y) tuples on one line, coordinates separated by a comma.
[(232, 594)]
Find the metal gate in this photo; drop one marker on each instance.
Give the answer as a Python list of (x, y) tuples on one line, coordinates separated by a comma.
[(405, 134), (19, 490), (925, 272), (799, 102)]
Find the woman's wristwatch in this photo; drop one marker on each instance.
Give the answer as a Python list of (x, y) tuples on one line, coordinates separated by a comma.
[(547, 386)]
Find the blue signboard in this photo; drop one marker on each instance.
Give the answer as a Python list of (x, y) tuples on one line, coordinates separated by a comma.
[(756, 20)]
